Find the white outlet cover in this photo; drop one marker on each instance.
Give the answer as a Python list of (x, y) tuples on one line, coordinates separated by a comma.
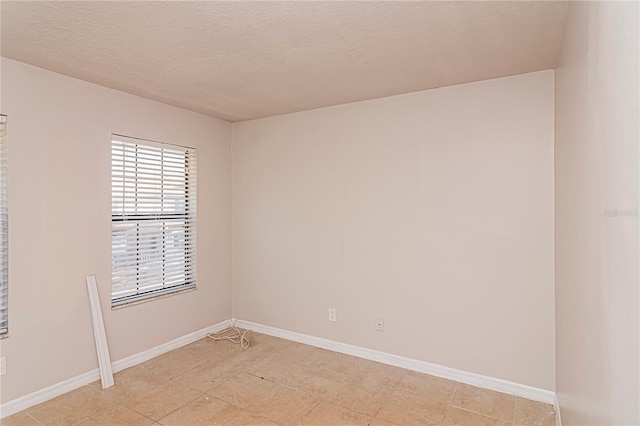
[(332, 314), (379, 324)]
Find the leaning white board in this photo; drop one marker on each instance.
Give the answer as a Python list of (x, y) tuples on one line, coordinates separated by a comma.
[(106, 375)]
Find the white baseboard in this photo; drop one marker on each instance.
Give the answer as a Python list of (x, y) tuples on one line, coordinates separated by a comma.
[(486, 382), (42, 395), (516, 389), (140, 357)]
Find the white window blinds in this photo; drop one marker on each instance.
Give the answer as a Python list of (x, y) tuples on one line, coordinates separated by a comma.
[(4, 231), (153, 219)]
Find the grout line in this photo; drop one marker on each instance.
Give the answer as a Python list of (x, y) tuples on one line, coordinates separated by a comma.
[(183, 405), (453, 394), (144, 415), (242, 411), (480, 414), (34, 419), (98, 413), (483, 414)]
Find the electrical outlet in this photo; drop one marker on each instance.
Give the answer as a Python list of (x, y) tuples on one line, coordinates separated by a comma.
[(332, 314), (3, 365), (379, 324)]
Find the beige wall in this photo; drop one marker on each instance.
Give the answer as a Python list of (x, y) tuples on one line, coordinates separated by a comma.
[(59, 195), (433, 210), (597, 215)]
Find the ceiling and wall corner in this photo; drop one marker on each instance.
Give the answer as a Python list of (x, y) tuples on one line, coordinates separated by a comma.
[(245, 60)]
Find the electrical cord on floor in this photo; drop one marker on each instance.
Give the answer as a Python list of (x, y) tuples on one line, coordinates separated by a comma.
[(233, 334)]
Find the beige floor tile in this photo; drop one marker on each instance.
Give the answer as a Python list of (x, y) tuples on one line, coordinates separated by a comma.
[(327, 413), (204, 410), (322, 383), (299, 353), (205, 376), (163, 400), (322, 358), (243, 390), (286, 406), (133, 382), (265, 343), (118, 415), (360, 368), (388, 374), (365, 394), (278, 382), (417, 389), (426, 413), (534, 413), (72, 407), (273, 366), (174, 363), (383, 422), (20, 419), (457, 416), (248, 419), (208, 349), (245, 358), (484, 401), (364, 402), (258, 339)]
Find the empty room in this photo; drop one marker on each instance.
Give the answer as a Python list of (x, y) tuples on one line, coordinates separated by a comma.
[(319, 212)]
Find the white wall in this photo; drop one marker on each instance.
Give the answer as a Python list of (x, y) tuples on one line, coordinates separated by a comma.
[(597, 321), (59, 193), (433, 210)]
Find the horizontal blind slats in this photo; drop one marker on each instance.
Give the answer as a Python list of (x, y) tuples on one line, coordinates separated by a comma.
[(153, 207)]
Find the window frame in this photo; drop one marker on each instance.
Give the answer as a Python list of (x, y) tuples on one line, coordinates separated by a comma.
[(163, 223), (4, 231)]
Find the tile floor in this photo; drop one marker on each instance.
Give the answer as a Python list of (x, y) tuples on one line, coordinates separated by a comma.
[(278, 382)]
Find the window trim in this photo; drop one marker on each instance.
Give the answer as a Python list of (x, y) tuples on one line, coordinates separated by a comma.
[(186, 211)]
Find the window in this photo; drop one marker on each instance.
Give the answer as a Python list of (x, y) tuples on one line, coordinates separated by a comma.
[(153, 219), (4, 231)]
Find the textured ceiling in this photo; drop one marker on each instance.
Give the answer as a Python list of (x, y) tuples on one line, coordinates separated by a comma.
[(243, 60)]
